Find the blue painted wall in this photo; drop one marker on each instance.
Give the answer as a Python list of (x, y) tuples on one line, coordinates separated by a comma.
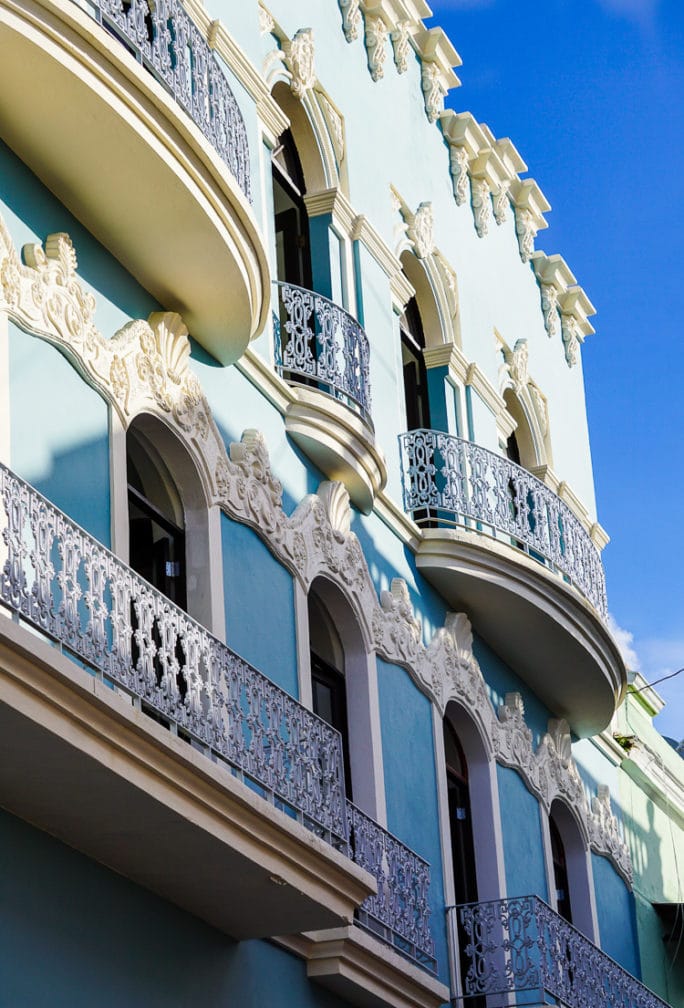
[(259, 604), (522, 838), (501, 680), (31, 213), (59, 438), (410, 783), (616, 915), (73, 933)]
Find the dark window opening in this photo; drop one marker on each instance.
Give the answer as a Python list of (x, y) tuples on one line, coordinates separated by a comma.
[(560, 872), (415, 372)]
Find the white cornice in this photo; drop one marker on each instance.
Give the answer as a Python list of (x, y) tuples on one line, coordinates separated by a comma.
[(527, 195), (484, 388)]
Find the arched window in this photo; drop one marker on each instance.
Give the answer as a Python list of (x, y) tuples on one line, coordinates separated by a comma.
[(156, 520), (174, 535), (328, 687), (460, 819), (343, 679), (569, 870), (415, 373), (293, 254)]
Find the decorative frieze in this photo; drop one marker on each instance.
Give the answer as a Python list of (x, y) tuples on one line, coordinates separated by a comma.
[(145, 368)]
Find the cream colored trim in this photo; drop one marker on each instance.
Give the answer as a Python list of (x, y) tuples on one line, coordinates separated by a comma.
[(118, 486), (376, 246), (485, 390), (364, 971), (301, 615), (334, 202), (397, 520), (567, 494), (210, 536), (263, 376), (599, 536), (546, 474), (5, 412)]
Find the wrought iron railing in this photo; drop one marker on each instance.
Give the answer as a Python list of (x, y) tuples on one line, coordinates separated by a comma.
[(452, 481), (319, 343), (166, 41), (400, 913), (64, 583), (521, 948)]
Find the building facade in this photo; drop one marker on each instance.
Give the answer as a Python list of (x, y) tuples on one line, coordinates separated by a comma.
[(303, 629)]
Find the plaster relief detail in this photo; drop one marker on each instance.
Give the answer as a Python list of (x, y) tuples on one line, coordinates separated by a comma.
[(481, 202), (501, 203), (376, 46), (146, 367), (299, 57), (458, 162), (518, 362), (401, 45), (526, 231), (419, 230), (549, 304), (351, 19), (572, 337), (266, 22), (433, 90)]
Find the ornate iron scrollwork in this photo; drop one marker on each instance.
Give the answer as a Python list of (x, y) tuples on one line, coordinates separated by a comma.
[(463, 484)]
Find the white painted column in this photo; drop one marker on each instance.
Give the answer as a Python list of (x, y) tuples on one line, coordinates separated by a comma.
[(118, 486)]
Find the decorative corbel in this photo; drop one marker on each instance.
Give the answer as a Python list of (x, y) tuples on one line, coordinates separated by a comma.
[(530, 206), (401, 45), (376, 44), (351, 19)]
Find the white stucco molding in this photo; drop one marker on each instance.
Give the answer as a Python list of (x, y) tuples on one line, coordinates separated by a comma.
[(530, 205), (145, 367), (575, 308)]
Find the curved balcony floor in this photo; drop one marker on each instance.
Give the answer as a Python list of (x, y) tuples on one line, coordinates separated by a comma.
[(537, 623), (125, 158)]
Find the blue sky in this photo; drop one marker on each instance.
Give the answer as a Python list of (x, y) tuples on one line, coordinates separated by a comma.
[(591, 92)]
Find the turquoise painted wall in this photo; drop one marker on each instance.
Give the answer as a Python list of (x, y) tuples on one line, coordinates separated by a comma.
[(259, 605), (59, 439), (522, 839), (501, 679), (410, 783), (73, 933), (616, 915), (31, 213)]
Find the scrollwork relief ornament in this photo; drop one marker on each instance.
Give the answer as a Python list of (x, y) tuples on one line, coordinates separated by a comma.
[(501, 203), (396, 624), (401, 45), (571, 338), (420, 230), (526, 232), (514, 739), (458, 159), (351, 19), (481, 202), (433, 91), (266, 22), (605, 835), (549, 305), (300, 62), (518, 361), (335, 124), (376, 46)]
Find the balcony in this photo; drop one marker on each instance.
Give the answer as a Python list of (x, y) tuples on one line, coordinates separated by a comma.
[(132, 734), (322, 351), (496, 541), (155, 163), (520, 951)]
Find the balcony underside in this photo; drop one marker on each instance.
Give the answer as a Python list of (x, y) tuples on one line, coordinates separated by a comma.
[(78, 761), (363, 971), (538, 624), (116, 149), (339, 442)]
